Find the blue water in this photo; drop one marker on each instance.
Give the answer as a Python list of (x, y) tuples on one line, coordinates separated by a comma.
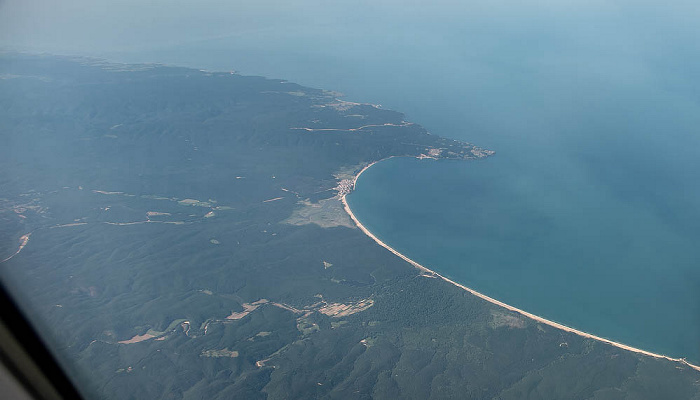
[(589, 212), (555, 244)]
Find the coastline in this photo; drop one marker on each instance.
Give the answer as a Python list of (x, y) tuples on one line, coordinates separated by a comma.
[(428, 272)]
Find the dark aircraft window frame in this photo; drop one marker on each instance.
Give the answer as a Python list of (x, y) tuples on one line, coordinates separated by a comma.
[(25, 355)]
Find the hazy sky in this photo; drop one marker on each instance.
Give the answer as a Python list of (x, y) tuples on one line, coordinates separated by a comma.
[(94, 25), (542, 61)]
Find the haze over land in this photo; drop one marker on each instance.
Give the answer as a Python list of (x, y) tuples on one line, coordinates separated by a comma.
[(146, 227), (591, 106)]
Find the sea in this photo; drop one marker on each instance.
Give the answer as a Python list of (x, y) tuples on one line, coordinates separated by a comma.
[(589, 212)]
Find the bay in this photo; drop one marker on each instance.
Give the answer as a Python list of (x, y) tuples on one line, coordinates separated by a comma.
[(585, 258)]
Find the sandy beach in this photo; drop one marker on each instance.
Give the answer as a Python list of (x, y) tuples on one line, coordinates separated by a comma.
[(429, 272)]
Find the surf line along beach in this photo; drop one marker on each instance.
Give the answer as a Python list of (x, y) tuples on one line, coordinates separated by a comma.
[(524, 313)]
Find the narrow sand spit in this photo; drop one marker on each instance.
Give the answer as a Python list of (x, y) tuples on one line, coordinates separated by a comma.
[(429, 272)]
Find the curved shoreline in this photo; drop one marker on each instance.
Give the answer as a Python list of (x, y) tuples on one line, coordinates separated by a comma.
[(524, 313)]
